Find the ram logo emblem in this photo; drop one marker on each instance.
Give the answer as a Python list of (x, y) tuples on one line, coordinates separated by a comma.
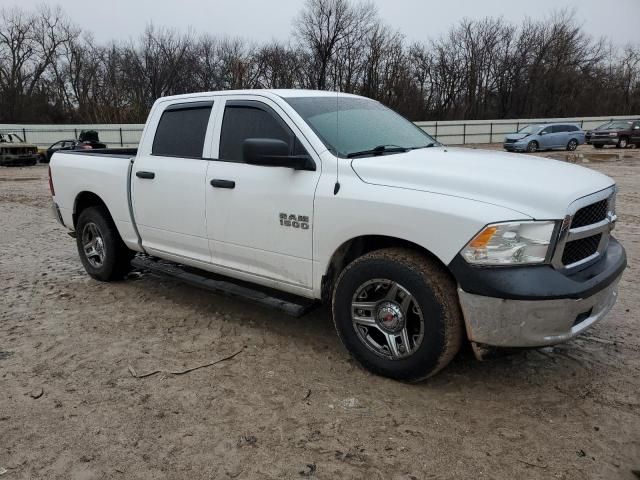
[(294, 221)]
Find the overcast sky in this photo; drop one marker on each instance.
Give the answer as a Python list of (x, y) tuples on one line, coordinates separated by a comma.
[(264, 20)]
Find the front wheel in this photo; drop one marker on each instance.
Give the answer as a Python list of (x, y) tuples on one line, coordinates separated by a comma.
[(397, 312), (572, 145), (103, 254), (532, 146), (623, 143)]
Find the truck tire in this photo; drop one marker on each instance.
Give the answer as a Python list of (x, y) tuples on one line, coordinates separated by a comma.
[(397, 312), (103, 254), (623, 142), (598, 145)]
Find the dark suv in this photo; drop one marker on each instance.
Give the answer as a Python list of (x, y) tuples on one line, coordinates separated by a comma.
[(620, 133)]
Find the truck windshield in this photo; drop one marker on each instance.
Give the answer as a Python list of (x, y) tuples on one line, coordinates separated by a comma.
[(354, 125)]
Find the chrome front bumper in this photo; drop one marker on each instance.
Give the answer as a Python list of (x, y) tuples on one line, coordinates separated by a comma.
[(533, 323)]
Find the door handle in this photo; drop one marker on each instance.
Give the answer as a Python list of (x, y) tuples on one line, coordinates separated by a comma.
[(217, 183), (149, 175)]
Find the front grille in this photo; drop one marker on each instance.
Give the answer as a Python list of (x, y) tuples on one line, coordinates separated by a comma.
[(594, 213), (577, 250), (509, 140)]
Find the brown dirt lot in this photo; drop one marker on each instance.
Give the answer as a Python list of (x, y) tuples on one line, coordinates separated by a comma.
[(292, 404)]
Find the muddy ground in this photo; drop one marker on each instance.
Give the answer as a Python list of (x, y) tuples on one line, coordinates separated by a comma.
[(292, 404)]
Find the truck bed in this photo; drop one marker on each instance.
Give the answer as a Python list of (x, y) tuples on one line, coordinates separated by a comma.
[(104, 173)]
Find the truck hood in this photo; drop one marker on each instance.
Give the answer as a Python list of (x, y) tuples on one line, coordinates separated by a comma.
[(537, 187)]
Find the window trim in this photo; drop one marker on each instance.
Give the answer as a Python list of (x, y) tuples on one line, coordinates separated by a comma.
[(173, 107)]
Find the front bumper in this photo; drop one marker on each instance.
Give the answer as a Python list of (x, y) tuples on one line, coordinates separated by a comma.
[(515, 147), (532, 323), (603, 141), (536, 305)]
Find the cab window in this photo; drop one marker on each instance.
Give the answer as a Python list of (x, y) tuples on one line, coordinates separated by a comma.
[(182, 130), (251, 119)]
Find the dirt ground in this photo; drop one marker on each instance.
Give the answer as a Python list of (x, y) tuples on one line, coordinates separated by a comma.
[(292, 404)]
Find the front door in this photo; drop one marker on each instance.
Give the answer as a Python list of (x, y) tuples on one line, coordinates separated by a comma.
[(546, 138), (260, 218), (168, 182)]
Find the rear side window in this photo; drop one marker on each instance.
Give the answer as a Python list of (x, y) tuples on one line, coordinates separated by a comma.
[(572, 128), (248, 119), (559, 128), (182, 129)]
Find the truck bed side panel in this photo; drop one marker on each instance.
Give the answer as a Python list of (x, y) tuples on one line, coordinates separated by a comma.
[(103, 175)]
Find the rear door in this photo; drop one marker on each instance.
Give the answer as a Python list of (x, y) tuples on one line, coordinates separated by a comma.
[(260, 218), (168, 180)]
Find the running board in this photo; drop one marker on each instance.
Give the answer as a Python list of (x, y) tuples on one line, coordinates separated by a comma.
[(289, 304)]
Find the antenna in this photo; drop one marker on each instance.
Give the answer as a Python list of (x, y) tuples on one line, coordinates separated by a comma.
[(336, 188)]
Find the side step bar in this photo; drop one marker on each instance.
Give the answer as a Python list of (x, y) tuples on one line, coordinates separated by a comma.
[(289, 304)]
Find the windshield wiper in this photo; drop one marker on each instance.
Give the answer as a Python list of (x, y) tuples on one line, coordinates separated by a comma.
[(379, 150), (429, 145)]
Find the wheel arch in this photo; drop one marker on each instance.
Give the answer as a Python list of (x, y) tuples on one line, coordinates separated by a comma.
[(355, 247), (84, 200)]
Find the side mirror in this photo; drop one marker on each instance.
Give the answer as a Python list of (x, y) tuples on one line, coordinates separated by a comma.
[(637, 127), (269, 152)]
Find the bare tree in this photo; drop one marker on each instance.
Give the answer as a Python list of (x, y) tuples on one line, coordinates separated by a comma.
[(324, 25)]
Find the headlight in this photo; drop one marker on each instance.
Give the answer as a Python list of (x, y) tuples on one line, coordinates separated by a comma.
[(613, 134), (514, 243)]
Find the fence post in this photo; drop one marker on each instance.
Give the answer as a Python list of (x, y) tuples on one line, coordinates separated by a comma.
[(75, 133), (582, 123), (436, 131), (491, 132), (121, 144), (464, 133), (518, 127), (24, 135)]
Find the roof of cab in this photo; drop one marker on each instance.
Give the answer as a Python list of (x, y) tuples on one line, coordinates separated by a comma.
[(283, 93)]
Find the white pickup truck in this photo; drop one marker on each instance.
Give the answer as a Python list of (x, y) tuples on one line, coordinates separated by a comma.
[(416, 246)]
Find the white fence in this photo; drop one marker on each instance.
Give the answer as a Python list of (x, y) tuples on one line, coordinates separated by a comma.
[(493, 131), (450, 132)]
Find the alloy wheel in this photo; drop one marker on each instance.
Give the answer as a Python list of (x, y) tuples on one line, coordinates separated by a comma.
[(387, 318), (93, 245)]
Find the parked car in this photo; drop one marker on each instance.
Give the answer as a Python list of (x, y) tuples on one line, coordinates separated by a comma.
[(14, 151), (71, 145), (620, 133), (415, 246), (545, 137)]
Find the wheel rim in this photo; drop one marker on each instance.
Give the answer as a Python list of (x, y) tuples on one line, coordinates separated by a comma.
[(531, 147), (623, 143), (387, 319), (573, 145), (93, 245)]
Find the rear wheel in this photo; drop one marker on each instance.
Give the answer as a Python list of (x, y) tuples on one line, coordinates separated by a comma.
[(623, 142), (598, 145), (532, 146), (102, 252), (397, 313), (572, 145)]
